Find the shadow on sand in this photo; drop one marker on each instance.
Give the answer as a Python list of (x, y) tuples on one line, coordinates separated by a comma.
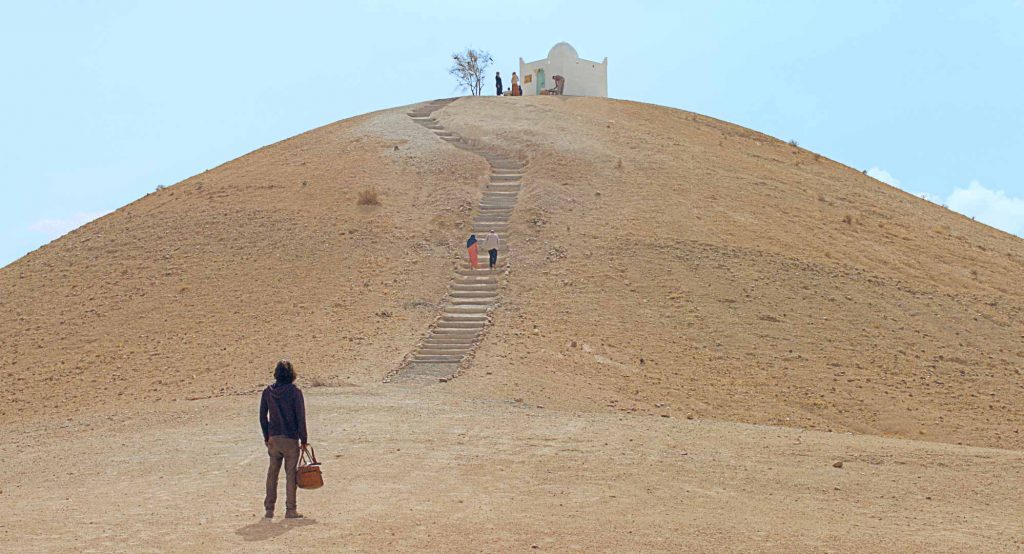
[(268, 529)]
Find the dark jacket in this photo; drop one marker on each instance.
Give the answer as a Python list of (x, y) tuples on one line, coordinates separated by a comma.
[(283, 412), (497, 84)]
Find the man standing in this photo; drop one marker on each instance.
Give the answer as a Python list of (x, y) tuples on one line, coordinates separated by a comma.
[(491, 246), (497, 82), (283, 420)]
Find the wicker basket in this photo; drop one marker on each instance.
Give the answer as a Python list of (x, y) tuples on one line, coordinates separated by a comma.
[(308, 474)]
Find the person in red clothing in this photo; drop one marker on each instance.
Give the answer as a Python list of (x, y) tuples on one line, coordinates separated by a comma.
[(474, 251), (283, 420)]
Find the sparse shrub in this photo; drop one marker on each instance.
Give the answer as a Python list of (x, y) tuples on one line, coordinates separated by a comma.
[(794, 143), (817, 157), (160, 188), (618, 164), (848, 219), (369, 197)]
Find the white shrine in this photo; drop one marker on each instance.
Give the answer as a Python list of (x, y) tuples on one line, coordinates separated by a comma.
[(582, 77)]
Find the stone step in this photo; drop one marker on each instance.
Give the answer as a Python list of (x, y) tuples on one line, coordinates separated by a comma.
[(505, 178), (492, 293), (477, 278), (503, 187), (486, 265), (443, 354), (441, 340), (443, 351), (437, 351), (455, 337), (475, 316), (506, 164), (462, 305), (475, 324), (473, 297), (469, 308), (468, 292), (448, 345), (437, 359), (463, 269), (475, 286), (472, 286), (483, 271), (454, 333), (480, 281)]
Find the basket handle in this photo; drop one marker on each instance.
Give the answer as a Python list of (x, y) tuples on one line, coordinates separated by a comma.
[(309, 455)]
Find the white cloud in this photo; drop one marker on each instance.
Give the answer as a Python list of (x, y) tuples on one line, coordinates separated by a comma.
[(930, 197), (991, 207), (54, 228), (883, 176)]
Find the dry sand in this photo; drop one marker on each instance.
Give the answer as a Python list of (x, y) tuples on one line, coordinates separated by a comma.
[(423, 469), (665, 264)]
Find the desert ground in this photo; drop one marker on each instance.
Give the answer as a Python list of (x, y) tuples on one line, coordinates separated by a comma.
[(697, 323), (413, 469)]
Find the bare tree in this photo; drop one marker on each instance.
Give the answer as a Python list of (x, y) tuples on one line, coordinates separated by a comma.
[(468, 68)]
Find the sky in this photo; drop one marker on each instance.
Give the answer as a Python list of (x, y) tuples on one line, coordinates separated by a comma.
[(103, 101)]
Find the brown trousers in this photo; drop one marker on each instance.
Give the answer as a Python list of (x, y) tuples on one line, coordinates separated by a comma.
[(286, 450)]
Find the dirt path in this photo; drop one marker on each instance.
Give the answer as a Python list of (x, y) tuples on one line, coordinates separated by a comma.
[(414, 468)]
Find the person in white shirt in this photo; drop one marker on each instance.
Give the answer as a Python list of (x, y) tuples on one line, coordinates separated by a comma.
[(491, 246)]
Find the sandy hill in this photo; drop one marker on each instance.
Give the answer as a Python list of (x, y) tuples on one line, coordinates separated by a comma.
[(663, 262), (664, 266)]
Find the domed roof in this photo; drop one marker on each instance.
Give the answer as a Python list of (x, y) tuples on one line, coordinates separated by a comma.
[(563, 50)]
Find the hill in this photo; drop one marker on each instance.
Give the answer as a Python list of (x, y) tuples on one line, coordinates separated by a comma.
[(664, 262)]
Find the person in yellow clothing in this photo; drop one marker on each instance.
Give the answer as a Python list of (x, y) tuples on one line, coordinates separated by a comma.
[(516, 91)]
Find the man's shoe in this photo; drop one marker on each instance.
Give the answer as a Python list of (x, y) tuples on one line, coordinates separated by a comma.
[(269, 514), (292, 514)]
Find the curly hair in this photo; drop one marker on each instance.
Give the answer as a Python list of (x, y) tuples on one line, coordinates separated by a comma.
[(284, 372)]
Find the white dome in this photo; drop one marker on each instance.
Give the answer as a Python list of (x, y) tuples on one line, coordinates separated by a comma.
[(563, 50)]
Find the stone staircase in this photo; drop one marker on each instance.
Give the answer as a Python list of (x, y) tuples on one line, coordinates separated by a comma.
[(452, 339)]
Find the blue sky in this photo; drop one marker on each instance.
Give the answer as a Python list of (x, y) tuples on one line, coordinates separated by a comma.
[(103, 101)]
